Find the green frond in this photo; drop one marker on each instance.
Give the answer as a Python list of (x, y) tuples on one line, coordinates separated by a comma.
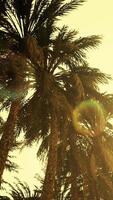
[(85, 74), (37, 113), (105, 99), (65, 35), (22, 191), (69, 51), (96, 76), (67, 7), (87, 42), (32, 17)]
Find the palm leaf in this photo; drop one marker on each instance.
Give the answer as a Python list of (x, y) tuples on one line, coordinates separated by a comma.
[(22, 191), (69, 51)]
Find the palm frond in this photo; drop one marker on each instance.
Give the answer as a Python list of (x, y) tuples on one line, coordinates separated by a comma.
[(88, 42), (22, 191), (67, 7), (105, 99), (96, 76), (38, 127), (11, 166), (31, 17), (69, 51)]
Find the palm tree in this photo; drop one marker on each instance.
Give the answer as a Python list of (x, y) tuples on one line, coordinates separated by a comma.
[(50, 50), (87, 155), (13, 87), (25, 29), (96, 77), (31, 36), (51, 96), (86, 168)]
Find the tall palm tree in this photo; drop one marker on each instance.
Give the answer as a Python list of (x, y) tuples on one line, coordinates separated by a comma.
[(63, 89), (81, 152), (48, 48), (31, 35), (13, 87), (26, 28), (71, 91)]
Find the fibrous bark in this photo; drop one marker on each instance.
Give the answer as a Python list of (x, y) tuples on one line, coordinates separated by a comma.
[(8, 135)]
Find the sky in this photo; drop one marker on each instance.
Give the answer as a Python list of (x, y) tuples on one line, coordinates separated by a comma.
[(93, 17)]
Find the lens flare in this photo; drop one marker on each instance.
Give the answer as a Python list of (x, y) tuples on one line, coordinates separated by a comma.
[(89, 118), (15, 70)]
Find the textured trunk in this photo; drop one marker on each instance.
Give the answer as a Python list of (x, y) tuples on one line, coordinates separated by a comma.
[(101, 156), (75, 171), (48, 187), (7, 139), (61, 156), (82, 167), (103, 161), (93, 191), (75, 193)]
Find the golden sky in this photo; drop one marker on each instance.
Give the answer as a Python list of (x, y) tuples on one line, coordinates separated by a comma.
[(93, 17)]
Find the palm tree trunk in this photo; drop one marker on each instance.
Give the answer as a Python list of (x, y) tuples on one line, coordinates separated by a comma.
[(82, 166), (61, 155), (93, 191), (7, 139), (102, 161), (49, 182), (75, 171)]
